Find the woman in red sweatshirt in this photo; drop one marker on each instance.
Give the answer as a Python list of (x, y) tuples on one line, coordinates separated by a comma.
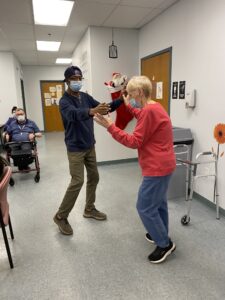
[(153, 138)]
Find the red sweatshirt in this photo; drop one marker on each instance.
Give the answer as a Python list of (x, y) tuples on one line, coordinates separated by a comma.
[(153, 137)]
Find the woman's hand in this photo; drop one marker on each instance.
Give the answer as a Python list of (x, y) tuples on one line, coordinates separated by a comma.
[(126, 99), (103, 121)]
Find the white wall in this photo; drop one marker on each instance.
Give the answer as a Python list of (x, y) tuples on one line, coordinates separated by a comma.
[(32, 77), (195, 30), (18, 75), (10, 91), (101, 68), (82, 58)]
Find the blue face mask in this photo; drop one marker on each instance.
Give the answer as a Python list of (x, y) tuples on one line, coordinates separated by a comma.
[(134, 103), (75, 86)]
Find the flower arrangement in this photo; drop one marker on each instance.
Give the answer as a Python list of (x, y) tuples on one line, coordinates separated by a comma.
[(219, 135)]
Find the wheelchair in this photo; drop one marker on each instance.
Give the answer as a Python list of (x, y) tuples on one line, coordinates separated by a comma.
[(21, 155)]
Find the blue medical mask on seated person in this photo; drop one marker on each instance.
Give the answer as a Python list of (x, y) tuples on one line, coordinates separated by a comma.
[(134, 103), (75, 85)]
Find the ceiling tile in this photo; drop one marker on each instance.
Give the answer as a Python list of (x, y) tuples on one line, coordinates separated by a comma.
[(16, 11), (27, 57), (90, 13), (18, 31), (142, 3), (136, 14), (68, 46), (149, 17), (4, 43), (46, 58), (42, 33), (114, 2), (73, 34), (167, 3), (65, 54), (23, 44)]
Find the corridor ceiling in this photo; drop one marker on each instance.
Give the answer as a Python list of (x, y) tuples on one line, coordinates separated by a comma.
[(18, 33)]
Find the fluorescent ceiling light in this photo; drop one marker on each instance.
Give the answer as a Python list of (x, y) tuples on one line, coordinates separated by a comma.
[(64, 61), (52, 12), (48, 46)]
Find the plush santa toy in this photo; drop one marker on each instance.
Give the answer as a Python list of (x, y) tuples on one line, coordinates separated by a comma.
[(115, 86)]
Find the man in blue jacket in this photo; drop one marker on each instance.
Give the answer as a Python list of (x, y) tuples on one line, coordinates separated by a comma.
[(77, 110)]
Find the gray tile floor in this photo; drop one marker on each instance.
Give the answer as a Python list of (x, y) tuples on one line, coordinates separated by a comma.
[(104, 260)]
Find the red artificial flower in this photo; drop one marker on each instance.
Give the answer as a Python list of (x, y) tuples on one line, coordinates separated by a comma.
[(219, 133)]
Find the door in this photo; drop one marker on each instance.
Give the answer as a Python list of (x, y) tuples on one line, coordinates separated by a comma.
[(23, 95), (51, 92), (157, 68)]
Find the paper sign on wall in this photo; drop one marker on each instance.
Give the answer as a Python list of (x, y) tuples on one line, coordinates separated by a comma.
[(54, 101), (159, 90), (48, 102), (52, 89), (47, 95), (58, 88), (59, 94)]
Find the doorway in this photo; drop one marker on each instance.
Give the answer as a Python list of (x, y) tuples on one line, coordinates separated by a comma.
[(23, 95), (157, 67), (51, 92)]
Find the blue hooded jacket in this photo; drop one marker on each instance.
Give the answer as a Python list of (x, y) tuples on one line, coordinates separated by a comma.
[(78, 124)]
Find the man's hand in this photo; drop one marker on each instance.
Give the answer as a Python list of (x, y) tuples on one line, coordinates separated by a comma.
[(31, 137), (7, 137), (102, 109), (103, 121)]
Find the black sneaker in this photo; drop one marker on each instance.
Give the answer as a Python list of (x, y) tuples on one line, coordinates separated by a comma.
[(149, 238), (160, 254)]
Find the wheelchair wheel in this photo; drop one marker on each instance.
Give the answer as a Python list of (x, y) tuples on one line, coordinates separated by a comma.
[(185, 220), (37, 178), (11, 182)]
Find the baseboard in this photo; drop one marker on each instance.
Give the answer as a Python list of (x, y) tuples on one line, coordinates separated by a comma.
[(207, 202), (118, 161)]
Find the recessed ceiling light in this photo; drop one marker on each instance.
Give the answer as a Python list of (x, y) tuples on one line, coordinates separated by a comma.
[(64, 61), (52, 12), (48, 46)]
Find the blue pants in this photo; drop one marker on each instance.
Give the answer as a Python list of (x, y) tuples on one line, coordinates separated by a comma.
[(152, 207)]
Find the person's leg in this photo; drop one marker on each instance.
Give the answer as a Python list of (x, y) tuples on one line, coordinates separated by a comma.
[(152, 208), (151, 200), (26, 156), (92, 182), (163, 212), (92, 178), (76, 166)]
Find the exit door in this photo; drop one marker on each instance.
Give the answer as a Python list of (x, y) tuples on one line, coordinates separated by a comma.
[(51, 93), (157, 68)]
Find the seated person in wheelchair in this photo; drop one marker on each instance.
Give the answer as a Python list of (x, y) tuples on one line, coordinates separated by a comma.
[(21, 130)]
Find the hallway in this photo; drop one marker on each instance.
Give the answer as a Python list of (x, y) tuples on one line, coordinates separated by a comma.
[(104, 260)]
